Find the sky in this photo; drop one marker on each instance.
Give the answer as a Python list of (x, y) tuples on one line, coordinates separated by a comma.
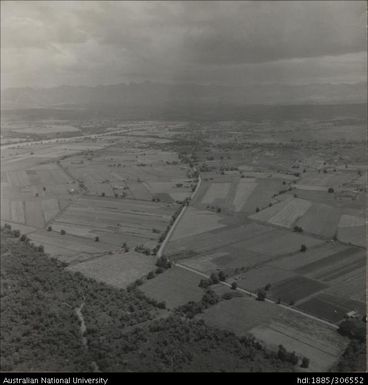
[(51, 43)]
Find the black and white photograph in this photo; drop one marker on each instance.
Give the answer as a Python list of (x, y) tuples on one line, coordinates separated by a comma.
[(183, 190)]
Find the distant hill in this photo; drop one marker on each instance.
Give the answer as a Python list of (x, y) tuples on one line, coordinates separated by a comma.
[(156, 94)]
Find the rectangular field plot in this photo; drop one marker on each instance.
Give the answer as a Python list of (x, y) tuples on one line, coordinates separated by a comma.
[(226, 259), (288, 214), (139, 191), (353, 235), (17, 212), (262, 195), (327, 180), (351, 221), (115, 220), (18, 179), (195, 221), (275, 325), (322, 354), (175, 286), (240, 314), (243, 190), (279, 242), (344, 256), (34, 214), (320, 219), (50, 208), (294, 289), (218, 238), (5, 209), (350, 285), (331, 308), (118, 269), (216, 191), (351, 229), (298, 260), (269, 212), (67, 248), (259, 277)]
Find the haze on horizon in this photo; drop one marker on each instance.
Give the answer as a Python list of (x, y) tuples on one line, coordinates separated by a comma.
[(47, 44)]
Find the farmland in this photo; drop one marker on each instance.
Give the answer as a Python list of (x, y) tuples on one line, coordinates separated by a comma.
[(274, 326), (278, 212)]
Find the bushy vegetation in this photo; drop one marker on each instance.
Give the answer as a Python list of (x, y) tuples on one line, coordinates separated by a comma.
[(354, 359), (298, 229), (39, 327), (176, 344), (213, 279)]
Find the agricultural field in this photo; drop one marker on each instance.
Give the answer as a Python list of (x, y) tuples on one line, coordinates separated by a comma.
[(265, 207), (275, 325), (115, 221), (196, 221), (331, 308), (175, 287), (236, 194), (137, 172), (118, 269)]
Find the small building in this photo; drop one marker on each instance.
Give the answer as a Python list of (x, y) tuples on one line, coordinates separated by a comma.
[(352, 314)]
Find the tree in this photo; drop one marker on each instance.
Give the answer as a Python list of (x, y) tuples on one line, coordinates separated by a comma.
[(24, 238), (257, 209), (97, 239), (261, 295), (62, 232), (204, 283), (49, 228), (222, 276), (234, 285), (303, 248), (210, 298), (354, 329), (305, 362), (214, 278), (151, 275), (331, 190)]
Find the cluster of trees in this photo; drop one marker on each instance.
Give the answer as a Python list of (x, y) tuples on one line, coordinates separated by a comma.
[(163, 263), (298, 229), (192, 308), (214, 208), (354, 359), (286, 356), (177, 344), (142, 249), (353, 328), (213, 279)]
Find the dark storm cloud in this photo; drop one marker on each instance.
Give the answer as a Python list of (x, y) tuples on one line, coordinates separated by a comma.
[(52, 43)]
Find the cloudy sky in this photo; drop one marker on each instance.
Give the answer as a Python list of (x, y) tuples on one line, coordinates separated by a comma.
[(52, 43)]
